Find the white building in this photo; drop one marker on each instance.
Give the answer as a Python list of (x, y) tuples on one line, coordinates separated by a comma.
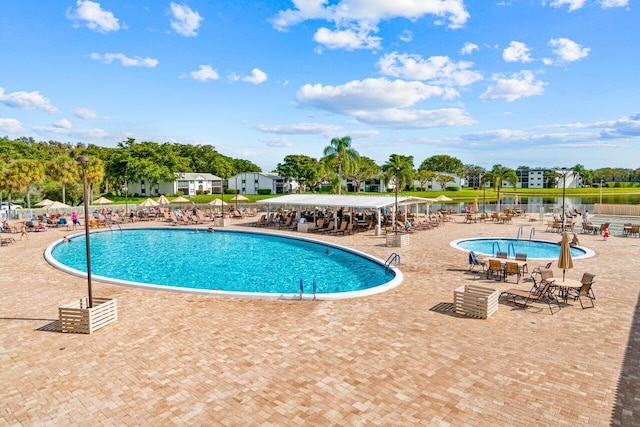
[(434, 186), (251, 182), (189, 183)]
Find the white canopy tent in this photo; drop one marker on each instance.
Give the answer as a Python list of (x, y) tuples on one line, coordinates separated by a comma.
[(354, 202)]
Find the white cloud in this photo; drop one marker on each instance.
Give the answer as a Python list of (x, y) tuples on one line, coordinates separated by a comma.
[(573, 4), (86, 114), (468, 48), (517, 52), (579, 4), (204, 73), (75, 133), (405, 36), (62, 124), (125, 61), (349, 39), (371, 12), (300, 129), (518, 85), (613, 3), (437, 69), (567, 50), (416, 119), (93, 16), (257, 77), (10, 126), (363, 133), (27, 101), (366, 95), (277, 142), (185, 21)]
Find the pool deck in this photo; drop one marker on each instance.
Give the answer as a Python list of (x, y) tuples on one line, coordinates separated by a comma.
[(397, 358)]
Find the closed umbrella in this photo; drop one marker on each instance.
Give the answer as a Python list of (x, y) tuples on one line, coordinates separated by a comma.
[(515, 201), (565, 261), (475, 205)]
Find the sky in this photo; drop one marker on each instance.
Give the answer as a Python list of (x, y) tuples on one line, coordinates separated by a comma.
[(538, 83)]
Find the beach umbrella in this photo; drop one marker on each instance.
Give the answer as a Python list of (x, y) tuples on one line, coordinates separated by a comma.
[(57, 205), (217, 202), (515, 200), (149, 203), (443, 198), (565, 261), (180, 200), (102, 201), (475, 205), (163, 200), (45, 202), (239, 198)]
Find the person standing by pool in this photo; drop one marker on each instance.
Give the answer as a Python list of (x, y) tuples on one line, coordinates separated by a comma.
[(585, 216)]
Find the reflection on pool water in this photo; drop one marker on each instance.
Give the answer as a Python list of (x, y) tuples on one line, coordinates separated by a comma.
[(535, 249), (235, 263)]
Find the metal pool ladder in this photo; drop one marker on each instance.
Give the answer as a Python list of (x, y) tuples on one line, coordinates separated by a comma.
[(393, 257)]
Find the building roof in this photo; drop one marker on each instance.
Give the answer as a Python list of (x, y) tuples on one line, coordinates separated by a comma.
[(195, 176), (334, 200)]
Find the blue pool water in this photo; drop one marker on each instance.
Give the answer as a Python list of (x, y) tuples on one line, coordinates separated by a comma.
[(242, 262), (535, 249)]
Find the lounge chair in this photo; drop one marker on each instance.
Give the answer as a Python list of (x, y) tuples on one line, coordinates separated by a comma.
[(585, 291), (501, 254), (538, 293), (340, 229), (473, 262)]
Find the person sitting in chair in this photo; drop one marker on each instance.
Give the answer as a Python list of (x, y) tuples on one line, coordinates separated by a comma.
[(574, 240)]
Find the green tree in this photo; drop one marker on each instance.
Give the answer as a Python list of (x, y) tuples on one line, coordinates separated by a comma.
[(423, 176), (498, 175), (300, 167), (443, 180), (398, 169), (472, 174), (362, 170), (340, 153), (583, 173), (25, 173), (63, 169), (443, 163)]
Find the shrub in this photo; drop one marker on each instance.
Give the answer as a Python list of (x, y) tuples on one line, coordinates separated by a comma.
[(453, 189), (264, 191), (179, 193), (230, 191)]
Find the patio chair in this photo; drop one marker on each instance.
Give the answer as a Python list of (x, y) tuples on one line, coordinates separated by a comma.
[(537, 270), (522, 257), (473, 262), (603, 227), (585, 291), (495, 268), (512, 268), (538, 293)]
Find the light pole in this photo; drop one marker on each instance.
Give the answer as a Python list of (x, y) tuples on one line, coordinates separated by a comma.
[(83, 161), (484, 191), (126, 194), (395, 213), (237, 192), (601, 182), (564, 186)]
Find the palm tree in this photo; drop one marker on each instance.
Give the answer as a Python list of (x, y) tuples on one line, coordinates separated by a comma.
[(498, 175), (64, 170), (340, 152), (400, 169)]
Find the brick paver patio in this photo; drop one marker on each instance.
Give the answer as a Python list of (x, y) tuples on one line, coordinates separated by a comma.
[(398, 358)]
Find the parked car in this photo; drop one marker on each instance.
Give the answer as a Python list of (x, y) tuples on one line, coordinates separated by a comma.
[(13, 207)]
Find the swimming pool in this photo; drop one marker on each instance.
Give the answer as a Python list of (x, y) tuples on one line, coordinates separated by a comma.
[(232, 263), (535, 249)]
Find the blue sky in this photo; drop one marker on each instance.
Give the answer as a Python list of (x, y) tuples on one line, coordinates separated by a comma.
[(520, 82)]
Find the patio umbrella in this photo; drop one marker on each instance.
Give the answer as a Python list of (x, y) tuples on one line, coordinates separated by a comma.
[(565, 261), (163, 200), (442, 198), (475, 205), (515, 201), (45, 202), (102, 201), (239, 198), (217, 202), (57, 205), (180, 200), (149, 203)]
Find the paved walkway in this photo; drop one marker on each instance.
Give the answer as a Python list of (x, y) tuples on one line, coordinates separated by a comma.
[(398, 358)]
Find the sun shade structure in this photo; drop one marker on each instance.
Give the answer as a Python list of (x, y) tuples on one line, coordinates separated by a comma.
[(44, 202), (102, 201), (163, 200), (180, 200), (149, 203), (336, 201)]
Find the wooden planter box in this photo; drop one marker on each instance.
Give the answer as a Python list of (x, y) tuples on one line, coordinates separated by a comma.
[(397, 240), (77, 318), (475, 301)]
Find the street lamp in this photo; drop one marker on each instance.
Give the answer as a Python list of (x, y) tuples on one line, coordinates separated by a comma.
[(237, 192), (83, 161), (126, 194), (484, 191), (564, 186), (601, 182), (395, 213)]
